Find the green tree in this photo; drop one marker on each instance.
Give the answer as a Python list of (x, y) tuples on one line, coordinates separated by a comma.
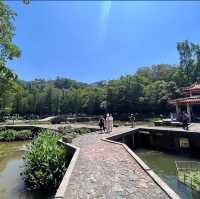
[(189, 60), (8, 50)]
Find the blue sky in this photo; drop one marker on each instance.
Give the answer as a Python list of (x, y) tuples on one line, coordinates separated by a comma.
[(91, 41)]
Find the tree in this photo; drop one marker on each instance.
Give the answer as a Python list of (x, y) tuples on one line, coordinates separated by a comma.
[(189, 60), (8, 50)]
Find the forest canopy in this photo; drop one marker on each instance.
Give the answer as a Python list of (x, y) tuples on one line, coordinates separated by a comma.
[(146, 91)]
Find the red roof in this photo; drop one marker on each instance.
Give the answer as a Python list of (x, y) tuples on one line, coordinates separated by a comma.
[(194, 87), (186, 100)]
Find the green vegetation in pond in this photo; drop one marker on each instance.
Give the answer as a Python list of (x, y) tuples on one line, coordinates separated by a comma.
[(84, 130), (195, 176), (78, 131), (163, 164), (11, 134), (11, 183), (191, 178), (45, 162), (11, 149)]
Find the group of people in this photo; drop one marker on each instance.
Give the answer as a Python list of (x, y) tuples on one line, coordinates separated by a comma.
[(106, 123)]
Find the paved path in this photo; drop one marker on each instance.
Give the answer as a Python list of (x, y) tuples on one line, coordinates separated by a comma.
[(106, 170), (194, 127), (47, 119)]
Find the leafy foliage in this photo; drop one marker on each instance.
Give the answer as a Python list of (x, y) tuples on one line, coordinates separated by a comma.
[(45, 162), (189, 60), (146, 91), (11, 134), (8, 50)]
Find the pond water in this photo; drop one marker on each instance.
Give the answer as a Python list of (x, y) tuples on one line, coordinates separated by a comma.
[(164, 165), (11, 183)]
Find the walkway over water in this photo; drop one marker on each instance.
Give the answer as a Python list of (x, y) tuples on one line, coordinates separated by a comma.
[(106, 170), (110, 170)]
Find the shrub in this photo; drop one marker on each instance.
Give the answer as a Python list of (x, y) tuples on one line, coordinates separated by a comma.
[(24, 135), (7, 135), (45, 162), (11, 135)]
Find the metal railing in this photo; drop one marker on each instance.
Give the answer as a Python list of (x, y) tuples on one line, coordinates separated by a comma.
[(188, 172)]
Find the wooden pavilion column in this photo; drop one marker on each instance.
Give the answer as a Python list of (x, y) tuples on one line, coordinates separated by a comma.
[(189, 112), (177, 111)]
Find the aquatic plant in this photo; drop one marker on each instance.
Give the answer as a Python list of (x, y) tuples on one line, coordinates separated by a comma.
[(84, 130), (11, 134), (45, 162)]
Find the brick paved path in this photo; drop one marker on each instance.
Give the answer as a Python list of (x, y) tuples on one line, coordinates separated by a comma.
[(107, 171)]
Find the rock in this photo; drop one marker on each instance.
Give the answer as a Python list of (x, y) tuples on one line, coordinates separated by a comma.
[(67, 139)]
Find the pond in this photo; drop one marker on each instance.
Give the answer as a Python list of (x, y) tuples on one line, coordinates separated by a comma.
[(11, 183), (164, 165)]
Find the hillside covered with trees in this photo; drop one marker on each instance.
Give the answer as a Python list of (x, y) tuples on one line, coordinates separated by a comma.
[(146, 91)]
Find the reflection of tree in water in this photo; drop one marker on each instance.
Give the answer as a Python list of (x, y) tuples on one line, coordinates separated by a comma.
[(13, 185), (163, 163), (10, 151)]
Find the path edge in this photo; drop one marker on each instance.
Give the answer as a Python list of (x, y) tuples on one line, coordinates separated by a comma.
[(64, 183), (165, 187)]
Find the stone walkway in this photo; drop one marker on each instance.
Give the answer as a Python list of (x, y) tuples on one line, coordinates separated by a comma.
[(194, 127), (106, 170)]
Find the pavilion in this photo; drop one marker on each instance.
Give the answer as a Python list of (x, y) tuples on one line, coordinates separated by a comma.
[(193, 97)]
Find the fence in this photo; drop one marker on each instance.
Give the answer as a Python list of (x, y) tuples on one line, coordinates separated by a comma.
[(188, 172)]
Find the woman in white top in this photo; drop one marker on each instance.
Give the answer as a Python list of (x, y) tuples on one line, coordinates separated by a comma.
[(111, 123), (107, 123)]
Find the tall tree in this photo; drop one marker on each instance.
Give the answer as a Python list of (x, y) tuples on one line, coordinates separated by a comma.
[(189, 60), (8, 50)]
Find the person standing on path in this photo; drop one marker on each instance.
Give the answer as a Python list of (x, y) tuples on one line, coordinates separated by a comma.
[(107, 123), (185, 120), (132, 120), (102, 124), (111, 123)]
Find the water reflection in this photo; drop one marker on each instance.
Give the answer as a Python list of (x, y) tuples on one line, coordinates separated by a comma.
[(11, 183), (164, 165)]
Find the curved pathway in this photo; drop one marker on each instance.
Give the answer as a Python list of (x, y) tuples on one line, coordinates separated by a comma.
[(106, 170)]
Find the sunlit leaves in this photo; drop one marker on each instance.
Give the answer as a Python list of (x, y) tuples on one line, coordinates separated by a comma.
[(45, 162), (8, 50)]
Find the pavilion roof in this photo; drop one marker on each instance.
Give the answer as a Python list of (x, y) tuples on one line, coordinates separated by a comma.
[(186, 100), (194, 87)]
